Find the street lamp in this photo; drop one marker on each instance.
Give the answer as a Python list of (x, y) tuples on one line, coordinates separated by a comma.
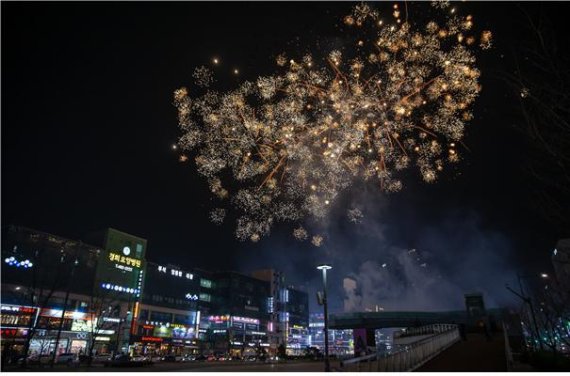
[(324, 268)]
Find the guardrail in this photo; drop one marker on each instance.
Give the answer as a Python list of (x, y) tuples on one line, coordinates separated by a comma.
[(411, 357)]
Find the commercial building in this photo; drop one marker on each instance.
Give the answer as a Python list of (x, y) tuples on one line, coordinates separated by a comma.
[(289, 313), (561, 263), (341, 341), (61, 295), (108, 298), (240, 321)]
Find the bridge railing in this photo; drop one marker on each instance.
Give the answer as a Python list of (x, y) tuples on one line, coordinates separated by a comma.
[(423, 330), (411, 357)]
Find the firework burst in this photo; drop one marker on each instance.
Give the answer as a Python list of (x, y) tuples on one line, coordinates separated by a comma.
[(290, 143)]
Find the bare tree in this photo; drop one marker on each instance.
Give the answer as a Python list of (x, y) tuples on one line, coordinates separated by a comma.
[(541, 80)]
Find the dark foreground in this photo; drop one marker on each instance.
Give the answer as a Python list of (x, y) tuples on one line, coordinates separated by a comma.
[(294, 366)]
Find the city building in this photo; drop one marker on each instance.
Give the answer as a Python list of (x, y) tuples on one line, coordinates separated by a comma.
[(240, 320), (168, 318), (341, 342), (289, 313), (107, 297), (61, 295), (561, 263)]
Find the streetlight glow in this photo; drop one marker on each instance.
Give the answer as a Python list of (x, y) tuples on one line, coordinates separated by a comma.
[(544, 275), (324, 267)]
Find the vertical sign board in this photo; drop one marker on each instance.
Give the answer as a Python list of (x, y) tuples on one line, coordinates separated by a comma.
[(364, 341), (121, 265)]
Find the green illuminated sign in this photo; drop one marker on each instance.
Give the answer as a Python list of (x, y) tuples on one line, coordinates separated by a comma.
[(121, 266)]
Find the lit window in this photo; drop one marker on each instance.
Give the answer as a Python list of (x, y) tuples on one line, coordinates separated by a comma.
[(205, 297), (205, 283)]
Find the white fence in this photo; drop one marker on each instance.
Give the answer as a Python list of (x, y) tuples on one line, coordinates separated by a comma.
[(412, 357)]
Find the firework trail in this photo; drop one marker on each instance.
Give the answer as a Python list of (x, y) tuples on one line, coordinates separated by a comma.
[(287, 145)]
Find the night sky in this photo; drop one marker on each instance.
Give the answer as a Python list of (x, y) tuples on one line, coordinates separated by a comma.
[(88, 124)]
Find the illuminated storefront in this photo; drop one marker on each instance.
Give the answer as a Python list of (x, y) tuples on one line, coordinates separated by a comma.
[(234, 335), (341, 342), (77, 330)]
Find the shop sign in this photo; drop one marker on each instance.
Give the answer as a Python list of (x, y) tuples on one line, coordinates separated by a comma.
[(124, 260), (111, 319), (162, 331), (218, 319), (175, 272), (151, 339), (103, 339), (56, 313), (190, 296), (19, 309), (255, 333), (13, 333), (82, 326), (245, 319), (182, 332)]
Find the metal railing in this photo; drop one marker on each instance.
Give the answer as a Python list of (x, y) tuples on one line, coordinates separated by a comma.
[(423, 330), (409, 358)]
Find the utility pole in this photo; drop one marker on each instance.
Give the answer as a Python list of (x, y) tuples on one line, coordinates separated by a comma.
[(324, 269)]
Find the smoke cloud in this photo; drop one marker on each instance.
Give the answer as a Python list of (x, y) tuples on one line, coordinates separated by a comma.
[(389, 259)]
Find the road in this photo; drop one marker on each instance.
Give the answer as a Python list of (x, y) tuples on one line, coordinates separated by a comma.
[(291, 366)]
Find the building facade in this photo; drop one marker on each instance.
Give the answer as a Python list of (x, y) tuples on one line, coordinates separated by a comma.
[(341, 342), (61, 295), (108, 298)]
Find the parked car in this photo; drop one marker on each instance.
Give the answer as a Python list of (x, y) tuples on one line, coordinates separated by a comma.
[(250, 358), (189, 358), (172, 358), (36, 359), (101, 358), (201, 358), (139, 358), (211, 358), (122, 360), (222, 357), (66, 358), (272, 359)]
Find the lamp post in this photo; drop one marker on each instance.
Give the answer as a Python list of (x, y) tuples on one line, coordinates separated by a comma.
[(324, 269)]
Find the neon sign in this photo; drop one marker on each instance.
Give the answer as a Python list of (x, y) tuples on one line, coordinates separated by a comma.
[(13, 262), (151, 339), (128, 261), (245, 319), (191, 296), (175, 272), (128, 290)]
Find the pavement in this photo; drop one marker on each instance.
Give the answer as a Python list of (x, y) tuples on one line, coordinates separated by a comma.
[(230, 366), (477, 354)]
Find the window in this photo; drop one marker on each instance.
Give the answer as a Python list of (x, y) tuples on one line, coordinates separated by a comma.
[(160, 317), (139, 250), (143, 315), (205, 297), (205, 283)]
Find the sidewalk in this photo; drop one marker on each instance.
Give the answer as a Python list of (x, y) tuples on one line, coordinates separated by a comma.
[(474, 355)]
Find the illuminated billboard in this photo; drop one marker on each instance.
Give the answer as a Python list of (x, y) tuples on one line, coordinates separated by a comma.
[(121, 265)]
